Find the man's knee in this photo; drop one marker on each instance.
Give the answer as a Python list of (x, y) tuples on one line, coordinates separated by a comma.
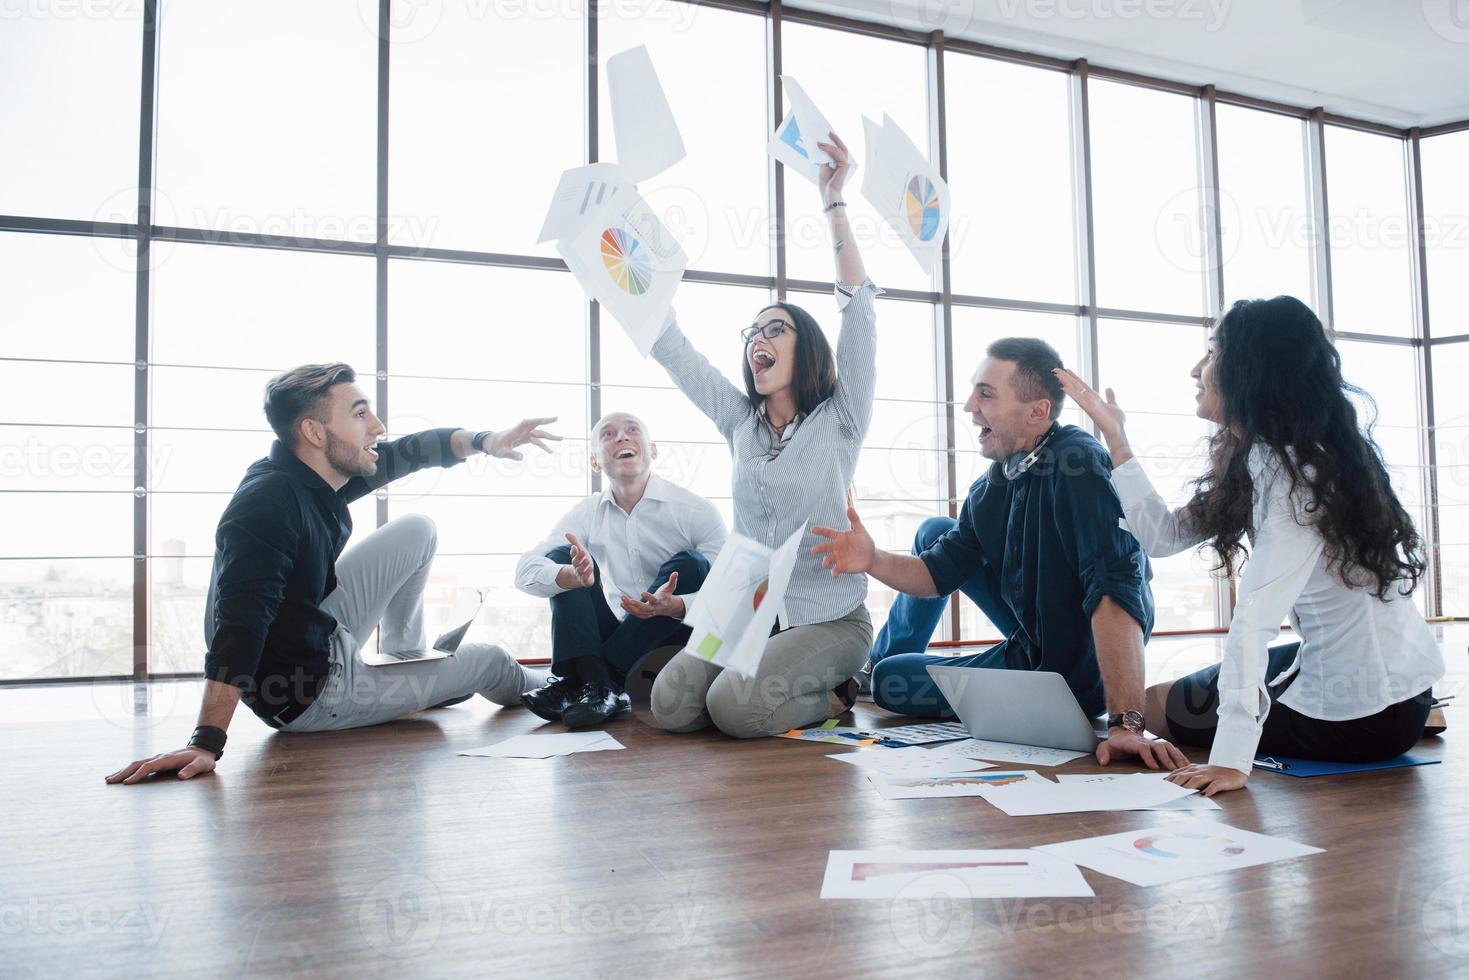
[(415, 531), (691, 567), (739, 709), (900, 684), (930, 531)]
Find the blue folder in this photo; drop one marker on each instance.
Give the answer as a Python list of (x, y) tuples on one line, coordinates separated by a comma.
[(1305, 768)]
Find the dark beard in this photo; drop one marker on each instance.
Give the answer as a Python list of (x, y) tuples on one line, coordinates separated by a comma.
[(344, 459)]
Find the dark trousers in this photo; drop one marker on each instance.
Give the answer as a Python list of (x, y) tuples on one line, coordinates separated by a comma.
[(1193, 716), (590, 644), (900, 679)]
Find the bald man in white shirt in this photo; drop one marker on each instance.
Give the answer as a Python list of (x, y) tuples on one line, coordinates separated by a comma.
[(619, 569)]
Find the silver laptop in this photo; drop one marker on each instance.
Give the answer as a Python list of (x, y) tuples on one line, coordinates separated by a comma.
[(1029, 707)]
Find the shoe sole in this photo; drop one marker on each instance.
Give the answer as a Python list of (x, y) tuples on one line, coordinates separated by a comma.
[(588, 717)]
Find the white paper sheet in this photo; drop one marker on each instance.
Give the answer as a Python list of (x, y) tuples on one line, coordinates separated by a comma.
[(794, 141), (1042, 796), (627, 260), (1196, 802), (647, 137), (1176, 851), (739, 600), (581, 195), (828, 734), (948, 785), (955, 875), (906, 190), (547, 746), (910, 762), (1013, 753)]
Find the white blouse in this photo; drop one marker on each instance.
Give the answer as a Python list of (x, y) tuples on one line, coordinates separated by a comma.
[(1358, 653)]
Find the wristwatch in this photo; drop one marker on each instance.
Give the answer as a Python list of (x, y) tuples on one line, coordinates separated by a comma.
[(1130, 720)]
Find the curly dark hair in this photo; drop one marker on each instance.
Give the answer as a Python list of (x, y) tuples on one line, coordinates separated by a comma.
[(1279, 379)]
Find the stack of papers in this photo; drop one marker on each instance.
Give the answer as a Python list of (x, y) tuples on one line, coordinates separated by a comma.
[(547, 746), (913, 762), (1015, 754), (943, 731), (1195, 802), (1177, 851), (1037, 795), (952, 875)]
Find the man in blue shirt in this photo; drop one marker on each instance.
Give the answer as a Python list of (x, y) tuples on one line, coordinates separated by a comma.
[(1040, 546)]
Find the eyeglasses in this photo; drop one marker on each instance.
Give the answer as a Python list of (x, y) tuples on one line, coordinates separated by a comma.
[(769, 331)]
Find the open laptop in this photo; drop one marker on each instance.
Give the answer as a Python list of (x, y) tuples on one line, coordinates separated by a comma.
[(461, 617), (1029, 707)]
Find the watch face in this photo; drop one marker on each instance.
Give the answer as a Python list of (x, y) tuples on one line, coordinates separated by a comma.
[(1133, 720)]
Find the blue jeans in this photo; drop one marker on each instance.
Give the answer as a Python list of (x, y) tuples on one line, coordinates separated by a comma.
[(589, 643), (900, 679)]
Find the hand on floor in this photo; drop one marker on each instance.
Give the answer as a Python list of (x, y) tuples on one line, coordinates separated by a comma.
[(1156, 753)]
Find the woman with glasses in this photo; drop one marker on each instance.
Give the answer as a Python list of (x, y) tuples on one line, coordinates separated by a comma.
[(795, 433), (1330, 545)]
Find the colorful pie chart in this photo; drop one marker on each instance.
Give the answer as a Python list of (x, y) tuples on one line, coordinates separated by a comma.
[(760, 591), (922, 203), (1188, 846), (627, 261)]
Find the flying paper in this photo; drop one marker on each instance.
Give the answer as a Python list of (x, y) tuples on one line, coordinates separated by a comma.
[(794, 141), (906, 190), (647, 137)]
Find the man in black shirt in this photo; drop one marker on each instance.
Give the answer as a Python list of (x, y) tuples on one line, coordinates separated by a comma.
[(284, 619)]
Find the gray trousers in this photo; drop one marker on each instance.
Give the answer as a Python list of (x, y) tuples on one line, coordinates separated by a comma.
[(790, 688), (380, 583)]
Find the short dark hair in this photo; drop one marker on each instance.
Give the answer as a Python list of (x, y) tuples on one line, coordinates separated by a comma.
[(815, 374), (300, 393), (1034, 361)]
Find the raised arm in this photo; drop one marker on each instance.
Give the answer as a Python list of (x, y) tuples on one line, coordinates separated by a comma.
[(709, 390), (1161, 532)]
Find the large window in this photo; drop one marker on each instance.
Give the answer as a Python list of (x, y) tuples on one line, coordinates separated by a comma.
[(279, 237)]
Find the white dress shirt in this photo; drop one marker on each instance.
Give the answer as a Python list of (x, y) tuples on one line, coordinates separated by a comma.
[(1358, 653), (628, 548)]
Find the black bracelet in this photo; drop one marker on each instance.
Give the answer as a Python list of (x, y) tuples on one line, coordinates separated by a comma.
[(209, 738), (834, 204), (478, 442)]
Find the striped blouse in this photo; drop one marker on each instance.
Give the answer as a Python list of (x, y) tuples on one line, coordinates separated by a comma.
[(807, 480)]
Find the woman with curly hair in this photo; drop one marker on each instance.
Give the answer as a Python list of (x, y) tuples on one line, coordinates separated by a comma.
[(1329, 544)]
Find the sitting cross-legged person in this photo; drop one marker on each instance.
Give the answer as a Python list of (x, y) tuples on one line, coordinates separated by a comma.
[(619, 569)]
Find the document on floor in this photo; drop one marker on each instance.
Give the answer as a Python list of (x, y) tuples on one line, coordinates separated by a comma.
[(926, 734), (1176, 851), (548, 746), (1196, 802), (1041, 796), (906, 190), (739, 600), (953, 875), (830, 733), (910, 762), (1013, 753), (647, 137), (794, 141), (947, 785)]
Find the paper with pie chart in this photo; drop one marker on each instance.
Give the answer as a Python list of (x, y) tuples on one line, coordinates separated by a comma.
[(954, 875), (906, 190), (628, 261), (739, 601), (1175, 851)]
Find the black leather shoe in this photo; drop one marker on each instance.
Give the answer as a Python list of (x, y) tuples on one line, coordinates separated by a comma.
[(550, 701), (595, 704)]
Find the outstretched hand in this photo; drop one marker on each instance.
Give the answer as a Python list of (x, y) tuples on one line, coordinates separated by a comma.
[(186, 763), (846, 552), (1209, 779), (660, 603), (504, 444), (581, 563), (833, 176)]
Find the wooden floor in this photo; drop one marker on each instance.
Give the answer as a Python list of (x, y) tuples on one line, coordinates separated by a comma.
[(383, 852)]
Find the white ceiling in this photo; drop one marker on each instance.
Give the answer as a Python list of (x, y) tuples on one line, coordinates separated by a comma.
[(1400, 62)]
